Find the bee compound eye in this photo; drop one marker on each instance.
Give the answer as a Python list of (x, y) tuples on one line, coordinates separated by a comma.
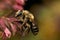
[(19, 13)]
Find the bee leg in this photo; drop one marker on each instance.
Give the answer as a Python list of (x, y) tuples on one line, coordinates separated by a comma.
[(26, 29)]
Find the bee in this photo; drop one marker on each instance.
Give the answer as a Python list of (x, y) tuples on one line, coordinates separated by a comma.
[(27, 21)]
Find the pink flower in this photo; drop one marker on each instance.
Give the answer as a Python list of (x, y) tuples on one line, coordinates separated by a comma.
[(2, 6), (7, 32), (15, 4), (4, 28), (19, 4), (5, 24), (17, 7)]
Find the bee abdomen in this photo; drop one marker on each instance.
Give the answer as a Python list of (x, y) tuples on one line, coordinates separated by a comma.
[(34, 29)]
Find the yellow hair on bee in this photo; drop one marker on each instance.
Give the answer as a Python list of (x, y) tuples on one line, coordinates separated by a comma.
[(25, 12), (17, 13), (31, 16)]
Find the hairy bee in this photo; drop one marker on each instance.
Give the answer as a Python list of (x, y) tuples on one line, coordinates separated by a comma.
[(27, 21)]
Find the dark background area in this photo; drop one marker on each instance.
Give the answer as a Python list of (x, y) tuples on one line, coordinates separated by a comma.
[(29, 3)]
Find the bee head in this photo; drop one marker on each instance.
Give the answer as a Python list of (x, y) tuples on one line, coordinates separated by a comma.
[(18, 13)]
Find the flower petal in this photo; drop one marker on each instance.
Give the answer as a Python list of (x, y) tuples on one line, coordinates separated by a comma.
[(17, 7), (7, 32), (13, 28), (21, 2), (4, 28)]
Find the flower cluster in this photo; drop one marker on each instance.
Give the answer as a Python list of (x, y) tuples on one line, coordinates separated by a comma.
[(15, 4), (8, 27)]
